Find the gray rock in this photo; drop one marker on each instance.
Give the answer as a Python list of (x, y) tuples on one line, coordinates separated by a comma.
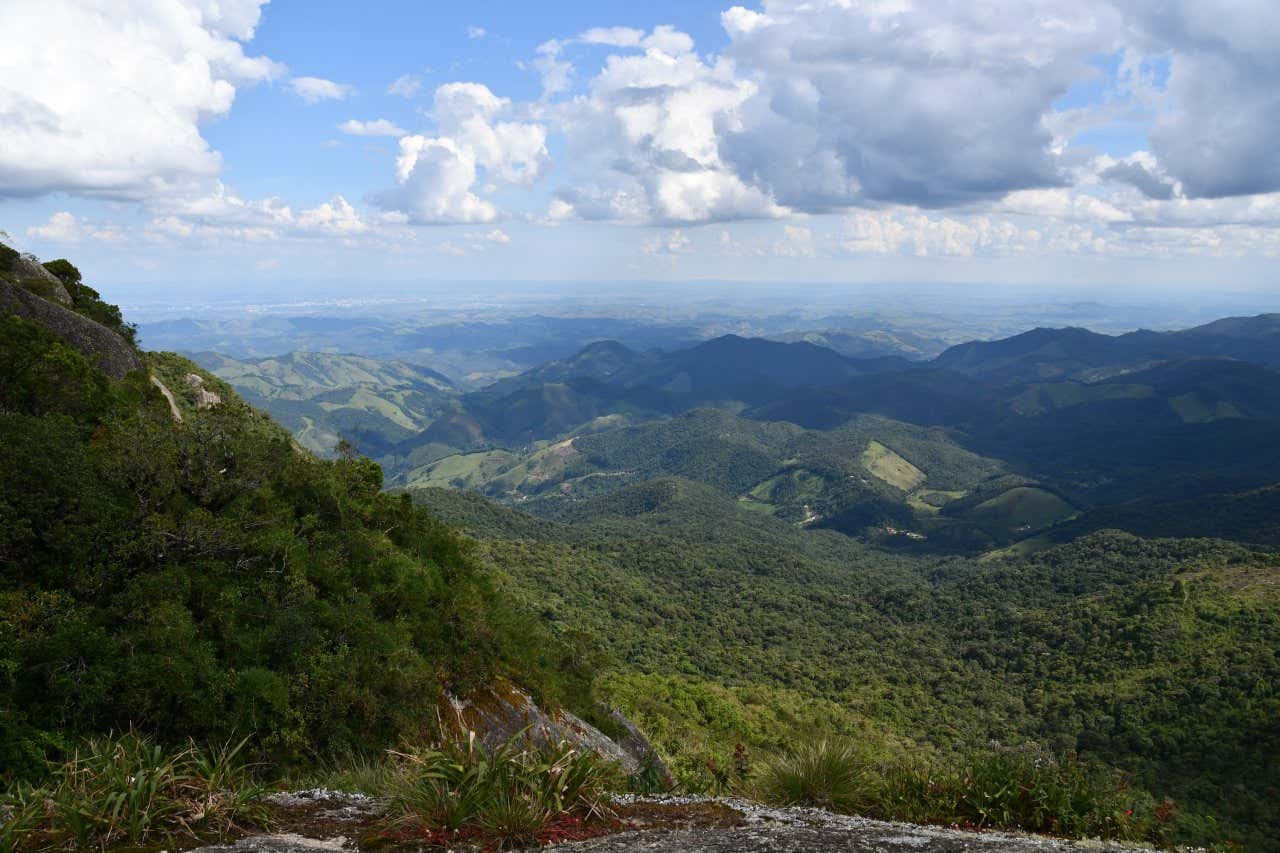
[(499, 713), (767, 828), (107, 350), (28, 267), (280, 843), (204, 398)]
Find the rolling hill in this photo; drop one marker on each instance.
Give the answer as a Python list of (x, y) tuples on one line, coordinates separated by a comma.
[(323, 398)]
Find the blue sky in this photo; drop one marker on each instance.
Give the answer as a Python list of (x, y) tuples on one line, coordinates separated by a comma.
[(1030, 141)]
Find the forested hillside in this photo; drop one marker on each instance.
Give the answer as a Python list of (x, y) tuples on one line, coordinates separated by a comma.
[(1157, 656), (186, 569)]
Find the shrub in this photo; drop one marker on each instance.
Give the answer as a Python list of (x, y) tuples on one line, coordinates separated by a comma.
[(511, 794), (129, 789)]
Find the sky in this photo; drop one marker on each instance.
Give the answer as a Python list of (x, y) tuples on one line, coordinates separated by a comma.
[(1090, 143)]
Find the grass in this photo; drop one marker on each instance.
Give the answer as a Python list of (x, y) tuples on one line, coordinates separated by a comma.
[(513, 795), (128, 789), (827, 774), (1005, 789), (884, 463), (1021, 507)]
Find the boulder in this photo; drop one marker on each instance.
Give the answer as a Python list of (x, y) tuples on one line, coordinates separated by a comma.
[(26, 271), (108, 351), (503, 711), (204, 398)]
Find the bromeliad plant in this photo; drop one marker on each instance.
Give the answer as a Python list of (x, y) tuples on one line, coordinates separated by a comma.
[(127, 789), (511, 794)]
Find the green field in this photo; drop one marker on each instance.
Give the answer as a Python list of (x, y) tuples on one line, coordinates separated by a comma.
[(1021, 509), (891, 468)]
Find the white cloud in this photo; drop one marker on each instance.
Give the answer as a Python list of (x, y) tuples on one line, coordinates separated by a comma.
[(613, 36), (62, 227), (670, 242), (1219, 108), (65, 227), (316, 89), (335, 217), (406, 85), (376, 127), (496, 237), (108, 99), (476, 32), (474, 242), (645, 138), (552, 67), (437, 176), (224, 215), (927, 104)]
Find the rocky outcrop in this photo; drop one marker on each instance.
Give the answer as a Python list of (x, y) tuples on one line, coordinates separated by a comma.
[(204, 398), (331, 820), (107, 350), (502, 712), (27, 270), (803, 830)]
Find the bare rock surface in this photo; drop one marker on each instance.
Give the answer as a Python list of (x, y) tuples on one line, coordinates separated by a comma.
[(204, 398), (107, 350), (282, 843), (26, 267), (695, 824), (804, 830)]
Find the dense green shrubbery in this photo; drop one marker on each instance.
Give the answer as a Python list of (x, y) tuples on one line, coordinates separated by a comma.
[(204, 578), (127, 789), (1156, 657)]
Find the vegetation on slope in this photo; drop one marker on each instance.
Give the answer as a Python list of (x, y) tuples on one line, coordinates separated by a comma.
[(1156, 657), (205, 578)]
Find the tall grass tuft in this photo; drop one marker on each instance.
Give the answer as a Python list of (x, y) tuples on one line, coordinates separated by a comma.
[(127, 789), (510, 794), (829, 774), (998, 788)]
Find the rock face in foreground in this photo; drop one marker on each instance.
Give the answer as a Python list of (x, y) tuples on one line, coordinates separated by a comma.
[(803, 830), (749, 828), (107, 350)]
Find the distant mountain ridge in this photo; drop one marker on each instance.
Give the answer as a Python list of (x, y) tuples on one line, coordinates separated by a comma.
[(1078, 353)]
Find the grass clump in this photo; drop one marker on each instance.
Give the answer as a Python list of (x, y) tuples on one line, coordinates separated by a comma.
[(828, 773), (1011, 789), (128, 789), (515, 794)]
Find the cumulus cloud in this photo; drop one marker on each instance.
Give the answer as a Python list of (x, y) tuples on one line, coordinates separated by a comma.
[(437, 176), (313, 90), (1220, 106), (927, 104), (225, 215), (645, 139), (76, 117), (65, 227), (476, 32), (376, 127)]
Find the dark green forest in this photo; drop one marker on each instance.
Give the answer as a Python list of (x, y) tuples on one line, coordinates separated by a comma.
[(209, 578), (1156, 656)]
